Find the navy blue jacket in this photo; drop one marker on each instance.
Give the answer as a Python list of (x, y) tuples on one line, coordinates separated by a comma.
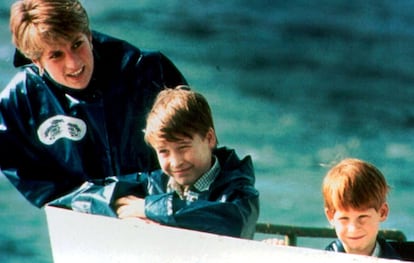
[(387, 251), (52, 138), (230, 207)]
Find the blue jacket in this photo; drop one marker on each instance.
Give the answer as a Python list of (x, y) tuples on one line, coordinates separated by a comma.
[(387, 251), (230, 207), (54, 138)]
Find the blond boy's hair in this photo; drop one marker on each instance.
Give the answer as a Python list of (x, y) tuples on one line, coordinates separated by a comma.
[(34, 23), (354, 183), (176, 113)]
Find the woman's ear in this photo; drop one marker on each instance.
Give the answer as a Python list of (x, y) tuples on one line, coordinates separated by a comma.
[(383, 211), (39, 66), (90, 40)]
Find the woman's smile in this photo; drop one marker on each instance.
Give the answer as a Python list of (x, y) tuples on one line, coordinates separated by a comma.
[(77, 73)]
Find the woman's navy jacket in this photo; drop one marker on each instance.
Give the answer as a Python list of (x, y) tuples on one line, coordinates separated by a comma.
[(52, 138), (230, 206)]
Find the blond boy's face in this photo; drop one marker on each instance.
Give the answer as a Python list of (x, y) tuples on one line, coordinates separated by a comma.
[(187, 159), (358, 229)]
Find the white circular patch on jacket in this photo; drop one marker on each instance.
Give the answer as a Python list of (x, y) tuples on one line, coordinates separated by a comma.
[(61, 126)]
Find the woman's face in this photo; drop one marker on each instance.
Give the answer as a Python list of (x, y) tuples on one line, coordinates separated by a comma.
[(69, 62)]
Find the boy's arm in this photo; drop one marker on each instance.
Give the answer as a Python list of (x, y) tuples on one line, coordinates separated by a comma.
[(234, 213)]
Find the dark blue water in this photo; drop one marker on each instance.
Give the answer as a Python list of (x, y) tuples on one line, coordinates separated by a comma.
[(296, 84)]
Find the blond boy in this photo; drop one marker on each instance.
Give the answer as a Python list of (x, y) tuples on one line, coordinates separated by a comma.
[(201, 187)]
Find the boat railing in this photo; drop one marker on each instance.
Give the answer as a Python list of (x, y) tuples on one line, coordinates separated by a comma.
[(291, 233)]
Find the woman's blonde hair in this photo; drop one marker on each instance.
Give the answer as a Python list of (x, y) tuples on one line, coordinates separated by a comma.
[(34, 23), (354, 183)]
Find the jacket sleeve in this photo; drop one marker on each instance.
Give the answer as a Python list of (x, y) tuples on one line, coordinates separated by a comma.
[(233, 213), (12, 156), (27, 168)]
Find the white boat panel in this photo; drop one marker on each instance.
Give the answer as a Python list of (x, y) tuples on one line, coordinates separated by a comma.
[(78, 238)]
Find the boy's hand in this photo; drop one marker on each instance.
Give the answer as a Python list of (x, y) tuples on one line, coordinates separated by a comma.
[(130, 206), (275, 241)]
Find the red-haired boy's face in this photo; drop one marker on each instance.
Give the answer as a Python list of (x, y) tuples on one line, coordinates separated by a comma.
[(358, 229)]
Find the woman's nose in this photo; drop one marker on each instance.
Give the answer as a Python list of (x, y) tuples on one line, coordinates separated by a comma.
[(72, 60)]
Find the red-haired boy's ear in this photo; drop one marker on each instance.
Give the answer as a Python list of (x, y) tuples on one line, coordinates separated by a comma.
[(329, 214)]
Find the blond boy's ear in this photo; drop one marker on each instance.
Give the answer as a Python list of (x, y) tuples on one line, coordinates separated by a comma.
[(383, 211), (211, 137)]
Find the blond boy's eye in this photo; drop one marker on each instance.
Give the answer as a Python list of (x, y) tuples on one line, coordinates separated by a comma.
[(77, 44), (183, 147)]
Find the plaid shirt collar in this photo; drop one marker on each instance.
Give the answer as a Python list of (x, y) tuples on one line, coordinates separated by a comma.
[(202, 184)]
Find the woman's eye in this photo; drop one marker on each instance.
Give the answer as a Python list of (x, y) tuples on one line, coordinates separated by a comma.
[(55, 55)]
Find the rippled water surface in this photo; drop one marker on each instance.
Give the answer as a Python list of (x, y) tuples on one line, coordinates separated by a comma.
[(296, 84)]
